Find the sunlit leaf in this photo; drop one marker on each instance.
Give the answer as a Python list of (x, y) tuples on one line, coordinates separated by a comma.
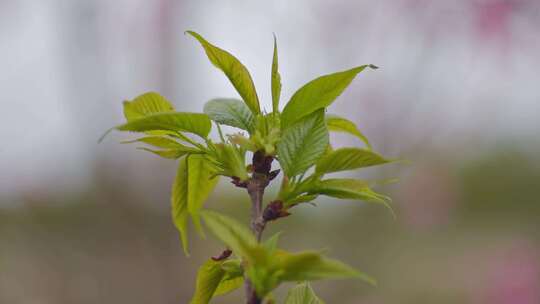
[(172, 153), (303, 143), (232, 233), (146, 104), (209, 278), (179, 202), (271, 243), (171, 148), (340, 124), (214, 280), (156, 141), (318, 94), (231, 112), (230, 160), (233, 267), (201, 181), (234, 70), (348, 159), (302, 294), (310, 266), (194, 181), (347, 188), (228, 285), (276, 80), (301, 199), (267, 133), (196, 123)]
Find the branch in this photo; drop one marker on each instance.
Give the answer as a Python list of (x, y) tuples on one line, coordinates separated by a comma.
[(261, 177)]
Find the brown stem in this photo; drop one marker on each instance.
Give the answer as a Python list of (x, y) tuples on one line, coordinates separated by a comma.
[(255, 187)]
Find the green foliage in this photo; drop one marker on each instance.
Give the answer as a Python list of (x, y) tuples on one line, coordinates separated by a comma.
[(201, 181), (229, 159), (171, 153), (302, 294), (303, 143), (339, 124), (146, 104), (347, 188), (267, 266), (311, 266), (234, 70), (236, 236), (267, 134), (170, 148), (298, 138), (349, 159), (231, 112), (209, 276), (195, 180), (195, 123), (179, 202), (318, 94), (158, 142), (276, 80), (213, 279)]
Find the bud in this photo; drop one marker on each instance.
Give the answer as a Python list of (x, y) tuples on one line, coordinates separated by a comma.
[(273, 174), (274, 210), (238, 182), (224, 255), (262, 163)]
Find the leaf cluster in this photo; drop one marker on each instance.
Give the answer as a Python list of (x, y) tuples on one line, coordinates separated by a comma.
[(298, 137)]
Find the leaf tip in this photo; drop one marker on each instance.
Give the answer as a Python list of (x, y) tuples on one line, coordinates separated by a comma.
[(367, 278), (194, 35), (372, 66), (105, 135)]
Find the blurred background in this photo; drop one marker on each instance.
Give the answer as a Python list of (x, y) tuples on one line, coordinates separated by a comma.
[(457, 94)]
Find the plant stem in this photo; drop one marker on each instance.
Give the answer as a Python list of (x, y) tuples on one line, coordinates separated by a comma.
[(255, 187)]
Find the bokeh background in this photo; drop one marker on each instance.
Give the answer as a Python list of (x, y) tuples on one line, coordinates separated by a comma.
[(457, 94)]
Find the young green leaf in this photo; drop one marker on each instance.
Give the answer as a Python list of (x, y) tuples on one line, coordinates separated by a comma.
[(302, 293), (201, 181), (146, 104), (317, 94), (209, 277), (156, 141), (234, 70), (195, 123), (306, 198), (347, 188), (179, 202), (231, 112), (271, 243), (172, 153), (233, 267), (340, 124), (230, 159), (267, 133), (348, 159), (171, 148), (232, 233), (228, 285), (303, 143), (194, 181), (276, 80), (310, 266)]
